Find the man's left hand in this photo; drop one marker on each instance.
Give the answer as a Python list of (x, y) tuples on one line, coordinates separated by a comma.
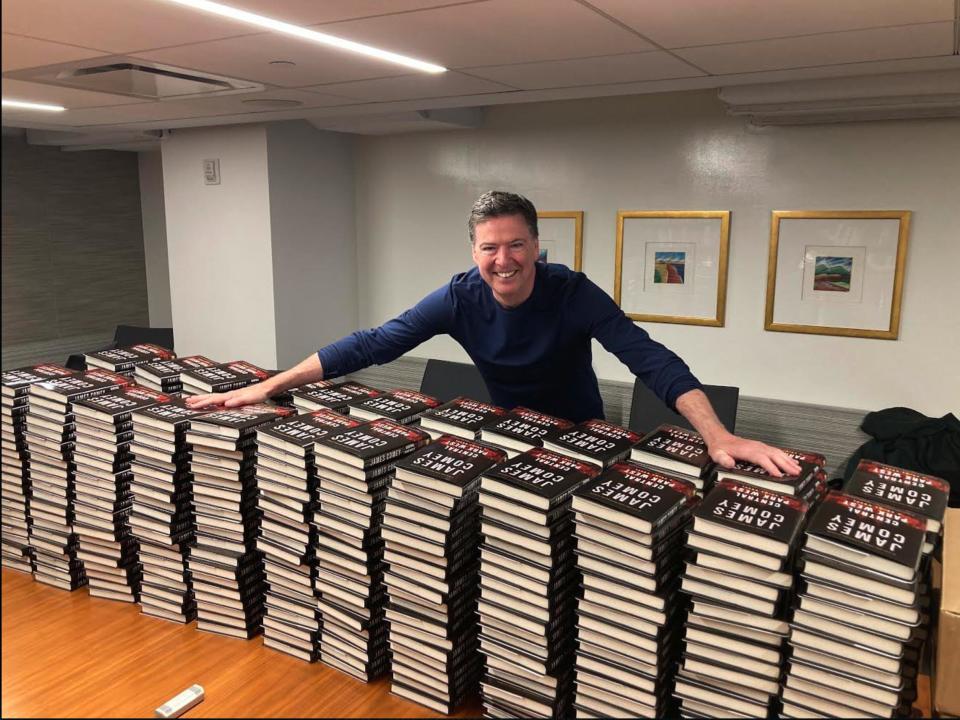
[(726, 450)]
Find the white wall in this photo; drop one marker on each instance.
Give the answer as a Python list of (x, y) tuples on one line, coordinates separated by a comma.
[(680, 151), (312, 237), (155, 238), (218, 239)]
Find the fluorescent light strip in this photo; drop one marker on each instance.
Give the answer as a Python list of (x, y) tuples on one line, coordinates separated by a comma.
[(22, 105), (300, 32)]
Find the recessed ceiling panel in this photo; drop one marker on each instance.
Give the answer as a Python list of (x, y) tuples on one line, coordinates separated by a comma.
[(413, 87), (706, 22), (856, 46), (495, 32), (634, 67)]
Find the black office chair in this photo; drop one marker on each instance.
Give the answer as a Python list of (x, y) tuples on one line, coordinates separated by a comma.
[(647, 411), (124, 336), (446, 380)]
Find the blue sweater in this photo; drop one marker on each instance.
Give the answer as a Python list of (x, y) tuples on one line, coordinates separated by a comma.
[(537, 354)]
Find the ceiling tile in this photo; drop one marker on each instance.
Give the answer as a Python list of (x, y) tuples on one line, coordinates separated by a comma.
[(413, 87), (706, 22), (633, 67), (495, 32), (68, 97), (857, 46), (20, 52), (312, 12), (249, 58), (200, 107)]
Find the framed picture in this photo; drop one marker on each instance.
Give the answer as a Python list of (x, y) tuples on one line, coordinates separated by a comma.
[(561, 237), (671, 266), (836, 272)]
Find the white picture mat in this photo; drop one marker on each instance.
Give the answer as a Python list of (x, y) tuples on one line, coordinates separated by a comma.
[(872, 242), (699, 238), (558, 236)]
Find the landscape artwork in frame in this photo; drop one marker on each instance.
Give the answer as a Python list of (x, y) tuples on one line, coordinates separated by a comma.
[(561, 237), (837, 272), (671, 266)]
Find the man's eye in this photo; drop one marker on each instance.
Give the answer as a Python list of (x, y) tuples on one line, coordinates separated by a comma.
[(517, 246)]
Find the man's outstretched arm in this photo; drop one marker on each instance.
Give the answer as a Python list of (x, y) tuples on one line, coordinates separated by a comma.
[(724, 447), (308, 371)]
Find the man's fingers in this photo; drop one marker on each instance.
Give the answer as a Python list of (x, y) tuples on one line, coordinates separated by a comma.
[(725, 459)]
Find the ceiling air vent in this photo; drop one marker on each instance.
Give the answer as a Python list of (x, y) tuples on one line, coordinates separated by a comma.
[(137, 79)]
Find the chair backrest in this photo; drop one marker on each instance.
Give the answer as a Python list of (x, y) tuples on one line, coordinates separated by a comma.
[(647, 411), (131, 335), (446, 380)]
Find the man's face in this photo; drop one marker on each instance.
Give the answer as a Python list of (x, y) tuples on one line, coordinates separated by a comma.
[(506, 254)]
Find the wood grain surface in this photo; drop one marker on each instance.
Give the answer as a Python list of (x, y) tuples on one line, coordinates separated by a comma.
[(70, 655)]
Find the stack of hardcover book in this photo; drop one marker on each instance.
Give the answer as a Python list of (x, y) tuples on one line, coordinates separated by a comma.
[(287, 486), (677, 451), (17, 552), (124, 360), (401, 406), (226, 567), (162, 517), (330, 395), (808, 485), (522, 429), (221, 378), (529, 584), (462, 417), (859, 620), (742, 583), (594, 441), (103, 502), (630, 529), (354, 468), (164, 375), (51, 433), (431, 530)]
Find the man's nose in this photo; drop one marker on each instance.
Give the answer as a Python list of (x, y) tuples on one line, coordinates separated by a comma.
[(503, 254)]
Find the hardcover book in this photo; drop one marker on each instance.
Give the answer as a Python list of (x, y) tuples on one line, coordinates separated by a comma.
[(223, 377), (799, 484), (238, 422), (523, 429), (462, 416), (595, 441), (402, 406), (871, 535), (924, 495), (674, 448), (165, 374), (297, 434), (117, 406), (452, 462), (631, 494), (371, 443), (539, 478), (764, 520), (16, 382), (65, 390), (326, 394), (125, 359)]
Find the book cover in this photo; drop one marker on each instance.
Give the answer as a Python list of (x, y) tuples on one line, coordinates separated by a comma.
[(684, 450), (117, 405), (754, 510), (240, 421), (465, 413), (925, 495), (868, 526), (747, 472), (304, 430), (547, 476), (639, 492), (224, 377), (526, 425), (175, 413), (372, 442), (334, 396), (453, 460), (402, 406), (126, 358), (16, 381), (594, 440), (79, 387)]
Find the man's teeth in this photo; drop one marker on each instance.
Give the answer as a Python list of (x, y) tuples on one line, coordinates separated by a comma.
[(506, 274)]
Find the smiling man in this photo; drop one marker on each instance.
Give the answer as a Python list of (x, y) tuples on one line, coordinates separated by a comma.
[(527, 326)]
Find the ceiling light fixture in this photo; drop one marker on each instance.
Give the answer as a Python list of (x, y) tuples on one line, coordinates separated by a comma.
[(22, 105), (305, 34)]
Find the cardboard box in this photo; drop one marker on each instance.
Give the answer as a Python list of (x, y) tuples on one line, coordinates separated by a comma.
[(947, 677)]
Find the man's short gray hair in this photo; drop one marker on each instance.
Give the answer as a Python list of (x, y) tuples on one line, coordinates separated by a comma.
[(497, 203)]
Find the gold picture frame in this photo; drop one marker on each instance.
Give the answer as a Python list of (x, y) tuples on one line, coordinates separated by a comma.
[(676, 266), (567, 242), (836, 272)]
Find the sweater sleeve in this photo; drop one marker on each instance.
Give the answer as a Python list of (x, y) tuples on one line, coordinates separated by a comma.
[(431, 316), (658, 367)]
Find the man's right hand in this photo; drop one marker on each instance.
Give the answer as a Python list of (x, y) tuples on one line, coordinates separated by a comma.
[(249, 395)]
